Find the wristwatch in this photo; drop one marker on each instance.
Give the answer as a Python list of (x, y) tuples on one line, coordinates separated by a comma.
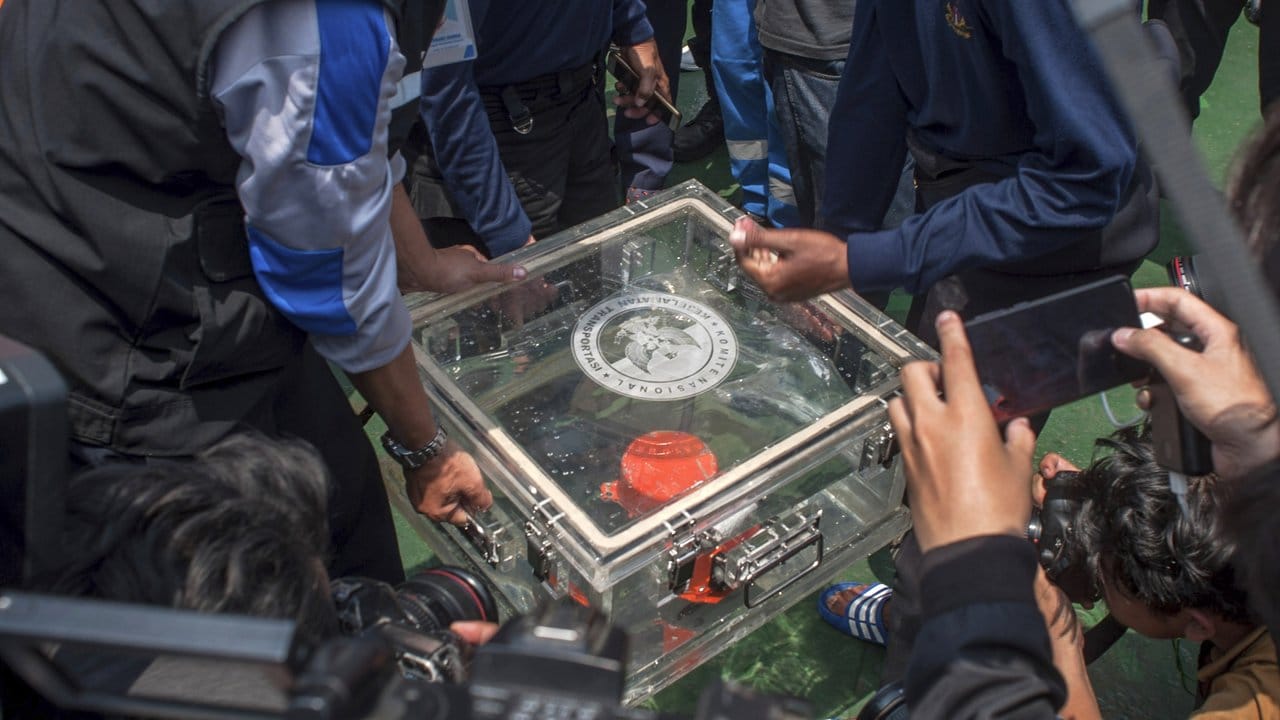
[(414, 459)]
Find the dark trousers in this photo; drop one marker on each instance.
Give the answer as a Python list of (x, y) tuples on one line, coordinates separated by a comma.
[(700, 47), (804, 91), (309, 405), (905, 614), (700, 43), (563, 170), (1200, 28)]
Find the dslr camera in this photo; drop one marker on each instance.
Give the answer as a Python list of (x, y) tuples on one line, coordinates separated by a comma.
[(1053, 529), (401, 661), (414, 617), (562, 661)]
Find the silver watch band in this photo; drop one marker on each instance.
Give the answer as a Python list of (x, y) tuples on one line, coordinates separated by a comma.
[(414, 459)]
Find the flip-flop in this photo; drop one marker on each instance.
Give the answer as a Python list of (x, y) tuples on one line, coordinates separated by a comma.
[(863, 617)]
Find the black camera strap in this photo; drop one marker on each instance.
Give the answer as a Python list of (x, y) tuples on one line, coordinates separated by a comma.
[(1149, 97)]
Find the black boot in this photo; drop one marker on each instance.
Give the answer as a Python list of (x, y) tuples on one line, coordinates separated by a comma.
[(701, 136)]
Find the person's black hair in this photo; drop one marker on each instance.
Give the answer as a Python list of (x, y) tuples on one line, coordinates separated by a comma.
[(1252, 507), (1136, 534), (1253, 194), (241, 529)]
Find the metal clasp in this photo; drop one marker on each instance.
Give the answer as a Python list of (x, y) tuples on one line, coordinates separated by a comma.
[(685, 548), (539, 551), (778, 541), (517, 112), (485, 531)]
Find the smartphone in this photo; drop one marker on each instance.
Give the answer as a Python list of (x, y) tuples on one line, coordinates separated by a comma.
[(658, 105), (1038, 355)]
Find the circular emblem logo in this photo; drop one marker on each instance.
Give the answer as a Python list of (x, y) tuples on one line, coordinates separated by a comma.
[(654, 346)]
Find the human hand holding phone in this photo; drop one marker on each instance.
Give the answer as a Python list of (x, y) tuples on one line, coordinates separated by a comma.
[(643, 88), (964, 479), (1219, 389), (1038, 355)]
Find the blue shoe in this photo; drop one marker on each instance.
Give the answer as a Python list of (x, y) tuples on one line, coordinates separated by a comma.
[(863, 617)]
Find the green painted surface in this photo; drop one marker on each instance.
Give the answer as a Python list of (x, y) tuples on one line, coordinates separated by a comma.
[(797, 653)]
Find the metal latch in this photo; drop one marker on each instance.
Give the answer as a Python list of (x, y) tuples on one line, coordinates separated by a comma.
[(685, 549), (486, 531), (778, 541), (539, 551), (879, 448)]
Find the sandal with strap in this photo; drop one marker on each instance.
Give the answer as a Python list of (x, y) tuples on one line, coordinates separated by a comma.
[(863, 617)]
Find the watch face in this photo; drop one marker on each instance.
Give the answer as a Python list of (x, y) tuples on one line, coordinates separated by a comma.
[(400, 453)]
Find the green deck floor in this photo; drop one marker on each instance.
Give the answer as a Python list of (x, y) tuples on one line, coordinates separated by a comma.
[(797, 653)]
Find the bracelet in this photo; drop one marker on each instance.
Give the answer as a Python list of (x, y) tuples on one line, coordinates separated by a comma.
[(414, 459)]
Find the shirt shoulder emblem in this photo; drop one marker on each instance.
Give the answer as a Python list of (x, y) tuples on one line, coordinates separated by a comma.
[(959, 24)]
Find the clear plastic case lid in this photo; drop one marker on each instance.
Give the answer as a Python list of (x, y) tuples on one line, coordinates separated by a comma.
[(638, 378)]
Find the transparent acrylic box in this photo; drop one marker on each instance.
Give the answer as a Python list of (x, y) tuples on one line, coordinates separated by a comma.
[(662, 441)]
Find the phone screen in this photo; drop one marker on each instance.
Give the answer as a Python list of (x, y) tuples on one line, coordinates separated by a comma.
[(1035, 356)]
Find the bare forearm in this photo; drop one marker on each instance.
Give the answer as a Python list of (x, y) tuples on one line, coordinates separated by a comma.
[(1082, 704), (395, 391), (446, 487), (422, 268), (414, 253)]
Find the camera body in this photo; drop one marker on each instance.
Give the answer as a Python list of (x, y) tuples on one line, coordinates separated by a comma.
[(414, 617), (564, 660), (398, 658), (1178, 445), (1053, 528)]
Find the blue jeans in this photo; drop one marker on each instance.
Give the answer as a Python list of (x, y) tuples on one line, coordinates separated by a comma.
[(804, 91)]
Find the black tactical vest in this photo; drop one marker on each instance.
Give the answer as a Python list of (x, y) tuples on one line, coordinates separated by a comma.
[(123, 253)]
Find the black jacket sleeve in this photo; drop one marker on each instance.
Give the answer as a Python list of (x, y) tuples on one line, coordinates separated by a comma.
[(983, 650)]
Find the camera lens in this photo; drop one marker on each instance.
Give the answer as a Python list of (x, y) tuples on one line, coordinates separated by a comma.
[(889, 703), (436, 598), (1182, 273)]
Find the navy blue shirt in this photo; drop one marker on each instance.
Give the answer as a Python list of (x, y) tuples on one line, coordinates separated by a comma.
[(1013, 86), (516, 40)]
